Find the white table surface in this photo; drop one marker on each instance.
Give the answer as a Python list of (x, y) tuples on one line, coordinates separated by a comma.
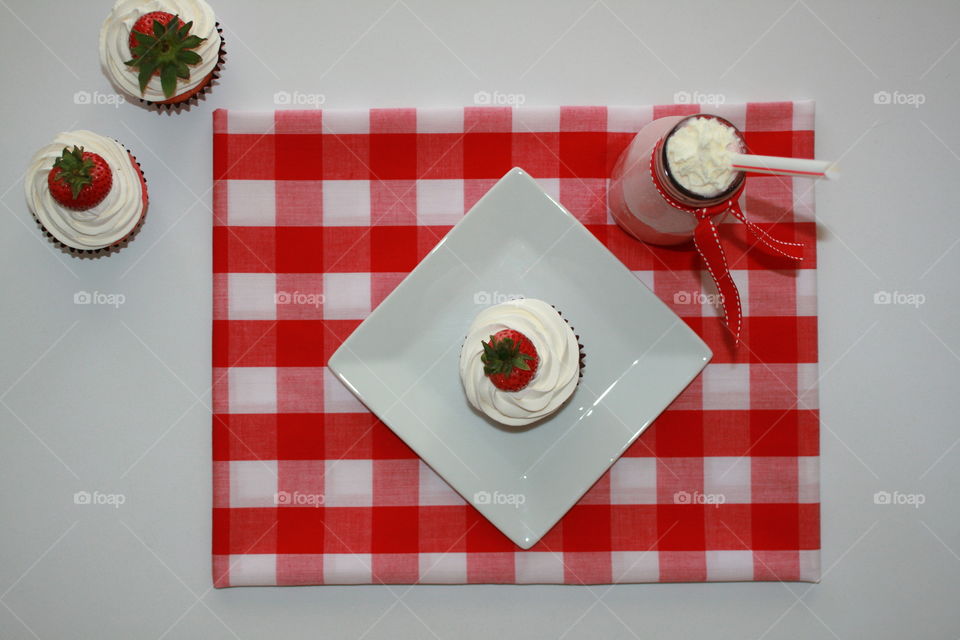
[(115, 400)]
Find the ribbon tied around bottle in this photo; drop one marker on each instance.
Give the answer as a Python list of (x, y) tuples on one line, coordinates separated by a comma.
[(706, 238)]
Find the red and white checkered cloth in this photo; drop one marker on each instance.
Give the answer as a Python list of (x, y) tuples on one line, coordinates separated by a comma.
[(318, 215)]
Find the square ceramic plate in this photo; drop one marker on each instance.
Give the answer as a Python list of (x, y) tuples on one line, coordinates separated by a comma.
[(402, 361)]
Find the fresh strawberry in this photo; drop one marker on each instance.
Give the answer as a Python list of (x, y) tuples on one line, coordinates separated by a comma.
[(144, 25), (510, 360), (161, 44), (79, 179)]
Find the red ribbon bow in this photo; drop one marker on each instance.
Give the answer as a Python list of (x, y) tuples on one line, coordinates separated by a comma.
[(707, 240)]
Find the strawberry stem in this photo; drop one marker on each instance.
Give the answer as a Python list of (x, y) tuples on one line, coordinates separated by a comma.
[(166, 51), (503, 356), (74, 169)]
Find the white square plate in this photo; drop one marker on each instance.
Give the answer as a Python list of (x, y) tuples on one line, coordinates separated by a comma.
[(402, 361)]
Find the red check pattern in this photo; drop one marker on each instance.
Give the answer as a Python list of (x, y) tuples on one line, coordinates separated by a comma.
[(318, 215)]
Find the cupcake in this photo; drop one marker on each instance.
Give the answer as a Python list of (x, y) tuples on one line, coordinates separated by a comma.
[(87, 192), (163, 52), (520, 362)]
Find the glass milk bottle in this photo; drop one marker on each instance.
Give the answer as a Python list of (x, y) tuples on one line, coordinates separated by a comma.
[(640, 205)]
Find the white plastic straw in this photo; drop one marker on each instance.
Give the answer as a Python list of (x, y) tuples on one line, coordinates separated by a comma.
[(775, 165)]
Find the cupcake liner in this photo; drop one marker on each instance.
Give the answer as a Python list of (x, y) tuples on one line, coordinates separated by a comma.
[(119, 244), (576, 335), (197, 93)]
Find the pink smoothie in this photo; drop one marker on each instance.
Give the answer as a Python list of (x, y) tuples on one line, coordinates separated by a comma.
[(637, 205)]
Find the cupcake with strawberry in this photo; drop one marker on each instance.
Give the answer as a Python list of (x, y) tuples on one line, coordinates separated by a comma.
[(163, 52), (520, 362), (87, 193)]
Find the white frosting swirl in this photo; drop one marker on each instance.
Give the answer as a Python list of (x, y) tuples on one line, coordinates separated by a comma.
[(115, 44), (104, 224), (557, 374), (699, 156)]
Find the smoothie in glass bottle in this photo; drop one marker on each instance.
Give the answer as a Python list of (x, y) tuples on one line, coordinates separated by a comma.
[(690, 158)]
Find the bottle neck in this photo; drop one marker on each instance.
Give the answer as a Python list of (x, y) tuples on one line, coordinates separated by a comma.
[(674, 190)]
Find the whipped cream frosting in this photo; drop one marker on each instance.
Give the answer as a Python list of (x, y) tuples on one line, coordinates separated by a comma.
[(557, 373), (115, 44), (104, 224), (699, 156)]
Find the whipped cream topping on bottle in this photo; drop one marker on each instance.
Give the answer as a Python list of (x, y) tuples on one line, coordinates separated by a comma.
[(698, 155)]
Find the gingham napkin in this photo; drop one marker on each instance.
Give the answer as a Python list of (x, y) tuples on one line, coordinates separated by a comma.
[(320, 214)]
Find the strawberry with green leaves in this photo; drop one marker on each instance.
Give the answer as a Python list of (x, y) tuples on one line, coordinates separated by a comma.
[(510, 360), (79, 179), (160, 44), (144, 25)]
